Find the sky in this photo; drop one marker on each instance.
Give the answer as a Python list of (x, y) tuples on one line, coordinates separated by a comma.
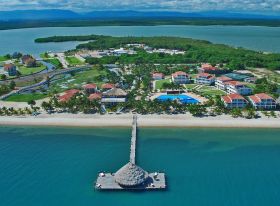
[(260, 6)]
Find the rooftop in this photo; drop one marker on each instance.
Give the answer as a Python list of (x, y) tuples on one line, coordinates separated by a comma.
[(231, 97)]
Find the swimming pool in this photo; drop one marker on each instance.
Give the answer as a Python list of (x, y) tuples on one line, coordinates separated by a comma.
[(181, 97)]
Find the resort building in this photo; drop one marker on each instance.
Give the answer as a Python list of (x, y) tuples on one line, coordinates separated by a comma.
[(114, 96), (68, 95), (28, 61), (234, 101), (11, 69), (157, 76), (180, 77), (95, 96), (205, 78), (90, 88), (108, 86), (262, 101), (208, 68), (220, 82), (233, 87)]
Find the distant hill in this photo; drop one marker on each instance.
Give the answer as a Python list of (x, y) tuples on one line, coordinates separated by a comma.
[(56, 14)]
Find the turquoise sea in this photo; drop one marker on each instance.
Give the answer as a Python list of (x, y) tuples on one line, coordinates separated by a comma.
[(258, 38), (50, 166)]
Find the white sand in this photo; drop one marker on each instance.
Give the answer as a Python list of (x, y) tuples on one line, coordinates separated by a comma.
[(81, 120)]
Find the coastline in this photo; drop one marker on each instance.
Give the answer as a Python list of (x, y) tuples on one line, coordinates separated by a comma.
[(125, 120)]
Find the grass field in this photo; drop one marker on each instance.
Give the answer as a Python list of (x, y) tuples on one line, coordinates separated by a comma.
[(73, 61), (54, 62), (2, 58), (211, 91), (159, 83), (78, 80), (30, 70), (25, 97)]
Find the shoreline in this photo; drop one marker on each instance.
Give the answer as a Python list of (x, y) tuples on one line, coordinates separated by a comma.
[(125, 120)]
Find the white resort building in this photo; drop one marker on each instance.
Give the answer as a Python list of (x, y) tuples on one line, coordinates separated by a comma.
[(180, 78), (220, 82), (235, 87), (262, 101), (205, 78), (234, 101)]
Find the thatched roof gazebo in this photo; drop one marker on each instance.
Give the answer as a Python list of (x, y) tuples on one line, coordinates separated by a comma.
[(131, 175), (115, 92)]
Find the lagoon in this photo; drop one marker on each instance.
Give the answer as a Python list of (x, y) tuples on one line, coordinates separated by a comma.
[(57, 166), (258, 38)]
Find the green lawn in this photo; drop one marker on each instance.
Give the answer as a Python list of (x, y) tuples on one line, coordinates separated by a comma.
[(30, 70), (78, 80), (73, 61), (25, 97), (190, 86), (2, 58), (211, 91), (159, 83), (54, 62)]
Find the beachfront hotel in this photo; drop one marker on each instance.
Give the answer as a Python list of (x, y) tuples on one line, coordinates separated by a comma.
[(220, 82), (90, 88), (234, 101), (235, 87), (205, 78), (180, 78), (262, 101)]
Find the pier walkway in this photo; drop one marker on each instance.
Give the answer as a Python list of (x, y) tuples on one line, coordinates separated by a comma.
[(131, 176)]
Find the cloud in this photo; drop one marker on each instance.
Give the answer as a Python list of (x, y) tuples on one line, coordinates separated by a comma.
[(174, 5)]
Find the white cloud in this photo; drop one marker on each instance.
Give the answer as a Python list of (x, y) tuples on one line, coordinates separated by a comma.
[(178, 5)]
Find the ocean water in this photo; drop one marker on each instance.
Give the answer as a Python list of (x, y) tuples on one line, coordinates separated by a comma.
[(253, 37), (48, 166)]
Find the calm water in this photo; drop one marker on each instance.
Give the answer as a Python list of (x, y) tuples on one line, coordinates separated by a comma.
[(57, 166), (257, 38)]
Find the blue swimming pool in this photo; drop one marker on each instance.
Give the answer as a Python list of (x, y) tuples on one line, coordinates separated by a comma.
[(181, 97)]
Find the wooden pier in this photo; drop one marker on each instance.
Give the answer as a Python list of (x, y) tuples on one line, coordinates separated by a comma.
[(131, 176)]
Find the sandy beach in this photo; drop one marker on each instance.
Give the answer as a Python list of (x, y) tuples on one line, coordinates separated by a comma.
[(124, 120)]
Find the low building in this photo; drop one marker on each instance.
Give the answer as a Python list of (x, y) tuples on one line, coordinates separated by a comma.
[(108, 86), (278, 101), (157, 76), (234, 101), (11, 69), (28, 61), (262, 101), (95, 96), (114, 96), (68, 95), (233, 87), (205, 78), (180, 77), (208, 68), (90, 88), (220, 82)]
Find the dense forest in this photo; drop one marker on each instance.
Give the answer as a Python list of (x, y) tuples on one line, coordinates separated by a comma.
[(196, 51), (4, 25)]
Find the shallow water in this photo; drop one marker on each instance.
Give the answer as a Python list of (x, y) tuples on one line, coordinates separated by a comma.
[(252, 37), (57, 166)]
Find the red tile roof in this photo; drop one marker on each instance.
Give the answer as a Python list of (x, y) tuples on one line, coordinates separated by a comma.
[(224, 79), (108, 86), (95, 96), (234, 83), (229, 98), (9, 66), (206, 75), (208, 67), (179, 73), (157, 74), (68, 95), (90, 86), (257, 98)]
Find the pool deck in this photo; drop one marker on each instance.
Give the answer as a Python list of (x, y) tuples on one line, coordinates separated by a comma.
[(191, 95)]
